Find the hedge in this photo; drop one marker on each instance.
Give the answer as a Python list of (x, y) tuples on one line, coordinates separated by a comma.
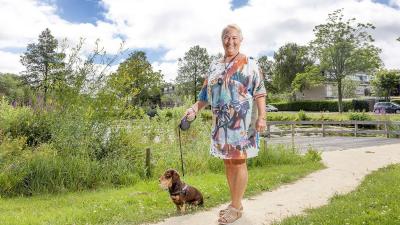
[(396, 101), (323, 105)]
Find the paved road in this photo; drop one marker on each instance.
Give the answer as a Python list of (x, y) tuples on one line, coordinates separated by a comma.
[(332, 143)]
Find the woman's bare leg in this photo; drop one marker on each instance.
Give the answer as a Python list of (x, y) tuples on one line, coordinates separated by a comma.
[(237, 176)]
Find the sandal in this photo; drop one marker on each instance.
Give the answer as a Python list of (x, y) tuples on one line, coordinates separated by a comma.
[(223, 211), (230, 216)]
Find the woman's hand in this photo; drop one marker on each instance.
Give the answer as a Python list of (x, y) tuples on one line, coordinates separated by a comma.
[(261, 124), (190, 114)]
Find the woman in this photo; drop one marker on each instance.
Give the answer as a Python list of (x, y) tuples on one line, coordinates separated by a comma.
[(235, 90)]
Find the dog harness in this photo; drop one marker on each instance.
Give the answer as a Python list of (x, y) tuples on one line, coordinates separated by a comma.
[(183, 191)]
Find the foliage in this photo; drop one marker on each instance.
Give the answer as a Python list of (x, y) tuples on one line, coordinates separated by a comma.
[(290, 60), (13, 88), (360, 116), (43, 63), (385, 82), (349, 87), (344, 48), (313, 155), (302, 116), (311, 77), (191, 71), (135, 82), (323, 105), (267, 68)]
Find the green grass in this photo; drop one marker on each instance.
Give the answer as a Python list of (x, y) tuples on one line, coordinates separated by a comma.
[(375, 201), (143, 202)]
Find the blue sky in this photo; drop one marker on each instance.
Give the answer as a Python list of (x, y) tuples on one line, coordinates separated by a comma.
[(166, 29)]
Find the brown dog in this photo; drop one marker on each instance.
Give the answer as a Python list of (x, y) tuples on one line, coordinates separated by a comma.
[(180, 193)]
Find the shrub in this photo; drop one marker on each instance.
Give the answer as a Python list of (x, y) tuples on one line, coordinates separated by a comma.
[(302, 116), (359, 116), (324, 105)]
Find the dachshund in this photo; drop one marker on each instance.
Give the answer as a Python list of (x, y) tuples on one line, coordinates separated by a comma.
[(181, 194)]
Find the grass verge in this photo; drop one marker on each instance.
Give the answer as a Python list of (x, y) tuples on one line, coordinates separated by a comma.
[(143, 202), (375, 201)]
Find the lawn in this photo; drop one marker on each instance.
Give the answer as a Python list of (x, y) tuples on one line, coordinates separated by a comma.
[(143, 202), (375, 201)]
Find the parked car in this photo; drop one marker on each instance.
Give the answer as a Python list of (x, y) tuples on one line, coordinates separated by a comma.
[(271, 108), (386, 107)]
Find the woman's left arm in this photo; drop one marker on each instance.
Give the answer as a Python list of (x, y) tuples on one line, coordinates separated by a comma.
[(261, 119)]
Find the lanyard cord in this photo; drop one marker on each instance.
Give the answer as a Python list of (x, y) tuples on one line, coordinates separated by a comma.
[(227, 66)]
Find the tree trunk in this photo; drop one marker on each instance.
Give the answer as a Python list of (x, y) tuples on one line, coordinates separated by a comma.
[(340, 106), (45, 83)]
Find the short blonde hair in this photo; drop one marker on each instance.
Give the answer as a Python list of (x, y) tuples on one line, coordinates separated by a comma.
[(234, 27)]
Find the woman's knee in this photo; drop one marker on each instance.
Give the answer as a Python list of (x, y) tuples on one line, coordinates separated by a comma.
[(234, 162)]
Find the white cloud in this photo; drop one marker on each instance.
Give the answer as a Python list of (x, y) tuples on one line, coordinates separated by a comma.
[(168, 69), (176, 25), (9, 63)]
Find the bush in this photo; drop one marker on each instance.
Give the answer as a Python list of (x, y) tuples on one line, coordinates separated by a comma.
[(359, 116), (302, 116), (324, 105)]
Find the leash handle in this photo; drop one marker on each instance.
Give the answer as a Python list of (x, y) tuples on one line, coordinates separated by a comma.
[(180, 149)]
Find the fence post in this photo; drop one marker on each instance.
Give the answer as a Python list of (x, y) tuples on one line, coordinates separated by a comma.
[(323, 128), (355, 128), (387, 129), (268, 131), (147, 166), (292, 128)]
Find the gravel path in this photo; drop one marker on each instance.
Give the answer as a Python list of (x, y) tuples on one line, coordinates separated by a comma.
[(345, 170)]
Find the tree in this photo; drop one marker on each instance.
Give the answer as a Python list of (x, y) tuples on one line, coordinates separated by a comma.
[(43, 63), (290, 60), (344, 48), (12, 87), (349, 87), (311, 77), (135, 81), (386, 81), (191, 70), (267, 68)]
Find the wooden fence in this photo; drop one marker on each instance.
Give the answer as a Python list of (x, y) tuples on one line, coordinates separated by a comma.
[(387, 128)]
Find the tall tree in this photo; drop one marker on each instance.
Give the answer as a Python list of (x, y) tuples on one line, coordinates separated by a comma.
[(42, 63), (290, 60), (311, 77), (386, 81), (191, 70), (344, 48), (135, 81), (267, 68)]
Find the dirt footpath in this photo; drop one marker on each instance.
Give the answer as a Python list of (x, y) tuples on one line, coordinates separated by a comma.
[(345, 170)]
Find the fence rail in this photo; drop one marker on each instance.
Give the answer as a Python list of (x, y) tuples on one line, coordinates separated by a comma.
[(324, 127)]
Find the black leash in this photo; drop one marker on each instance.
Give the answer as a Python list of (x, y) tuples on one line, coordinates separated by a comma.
[(180, 148)]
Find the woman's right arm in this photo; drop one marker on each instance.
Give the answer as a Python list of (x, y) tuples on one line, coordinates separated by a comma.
[(195, 108)]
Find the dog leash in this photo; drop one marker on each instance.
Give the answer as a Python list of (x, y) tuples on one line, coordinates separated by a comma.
[(180, 149)]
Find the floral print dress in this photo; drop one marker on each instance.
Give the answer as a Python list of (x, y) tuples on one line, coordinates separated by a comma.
[(230, 89)]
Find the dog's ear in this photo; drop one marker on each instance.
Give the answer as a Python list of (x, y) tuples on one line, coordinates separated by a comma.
[(175, 175)]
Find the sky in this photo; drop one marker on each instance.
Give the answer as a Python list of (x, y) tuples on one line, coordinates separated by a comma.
[(166, 29)]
